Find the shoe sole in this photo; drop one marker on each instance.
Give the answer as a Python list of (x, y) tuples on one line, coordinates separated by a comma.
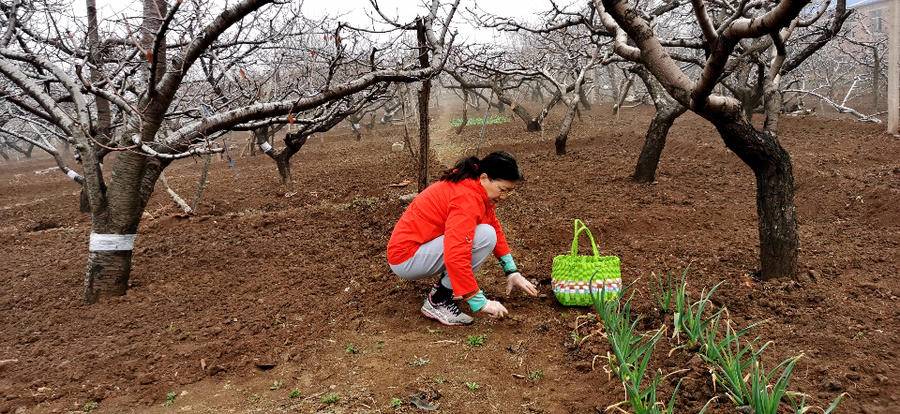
[(430, 316)]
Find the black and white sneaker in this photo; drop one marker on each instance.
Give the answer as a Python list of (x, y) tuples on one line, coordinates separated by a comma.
[(444, 311)]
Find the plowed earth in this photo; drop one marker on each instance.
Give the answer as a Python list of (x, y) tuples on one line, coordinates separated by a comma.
[(271, 288)]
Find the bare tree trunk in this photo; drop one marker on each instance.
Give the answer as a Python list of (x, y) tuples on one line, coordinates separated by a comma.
[(773, 106), (876, 80), (775, 207), (565, 127), (532, 124), (465, 114), (283, 163), (654, 142), (104, 115), (667, 110), (623, 93), (424, 96), (201, 185), (134, 176), (107, 274)]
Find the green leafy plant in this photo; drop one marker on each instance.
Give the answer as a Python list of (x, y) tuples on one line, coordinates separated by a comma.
[(491, 120), (170, 398), (800, 407), (665, 292), (90, 406), (472, 386), (419, 361), (331, 398), (396, 402), (476, 340), (536, 375), (689, 318), (275, 385), (295, 393), (351, 349), (631, 354)]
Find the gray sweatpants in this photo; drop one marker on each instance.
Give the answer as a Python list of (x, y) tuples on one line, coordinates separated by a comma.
[(429, 258)]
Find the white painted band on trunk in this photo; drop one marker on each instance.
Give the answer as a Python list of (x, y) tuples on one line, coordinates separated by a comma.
[(111, 242), (73, 175), (265, 147), (357, 126)]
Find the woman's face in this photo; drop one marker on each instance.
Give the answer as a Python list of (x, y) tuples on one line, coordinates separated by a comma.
[(496, 189)]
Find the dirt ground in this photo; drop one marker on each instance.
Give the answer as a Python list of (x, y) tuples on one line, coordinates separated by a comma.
[(271, 292)]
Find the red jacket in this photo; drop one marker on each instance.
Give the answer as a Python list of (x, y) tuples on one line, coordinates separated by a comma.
[(453, 210)]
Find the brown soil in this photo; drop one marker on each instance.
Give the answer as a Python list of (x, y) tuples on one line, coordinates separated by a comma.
[(271, 284)]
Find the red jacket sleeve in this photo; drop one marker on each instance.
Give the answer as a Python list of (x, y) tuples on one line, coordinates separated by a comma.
[(502, 247), (459, 232)]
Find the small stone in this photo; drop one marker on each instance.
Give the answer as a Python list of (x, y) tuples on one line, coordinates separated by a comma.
[(583, 366), (814, 275), (834, 385), (881, 378)]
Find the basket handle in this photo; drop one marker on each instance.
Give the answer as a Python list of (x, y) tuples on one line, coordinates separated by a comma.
[(579, 228)]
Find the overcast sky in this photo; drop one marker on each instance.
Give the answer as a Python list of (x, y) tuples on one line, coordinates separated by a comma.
[(354, 10)]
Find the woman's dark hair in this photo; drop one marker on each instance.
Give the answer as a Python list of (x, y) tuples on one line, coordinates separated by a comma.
[(498, 165)]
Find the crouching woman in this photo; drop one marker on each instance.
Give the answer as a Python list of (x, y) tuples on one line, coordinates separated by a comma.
[(450, 229)]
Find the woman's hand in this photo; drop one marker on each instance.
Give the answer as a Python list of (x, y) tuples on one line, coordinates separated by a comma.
[(517, 281), (494, 309)]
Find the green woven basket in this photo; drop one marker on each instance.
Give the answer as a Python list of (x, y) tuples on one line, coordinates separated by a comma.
[(576, 278)]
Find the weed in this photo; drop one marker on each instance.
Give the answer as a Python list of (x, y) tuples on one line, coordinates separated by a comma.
[(472, 386), (351, 349), (439, 380), (295, 393), (536, 375), (331, 398), (90, 406), (396, 402), (170, 398), (476, 340), (575, 337), (419, 362), (253, 399)]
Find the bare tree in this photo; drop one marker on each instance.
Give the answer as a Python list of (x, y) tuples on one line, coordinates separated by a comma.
[(760, 150), (156, 92)]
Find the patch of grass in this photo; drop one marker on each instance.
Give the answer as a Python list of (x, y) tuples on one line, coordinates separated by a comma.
[(476, 340), (379, 345), (536, 375), (396, 402), (419, 361), (90, 406), (351, 349), (331, 398), (295, 393), (472, 386), (491, 120)]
